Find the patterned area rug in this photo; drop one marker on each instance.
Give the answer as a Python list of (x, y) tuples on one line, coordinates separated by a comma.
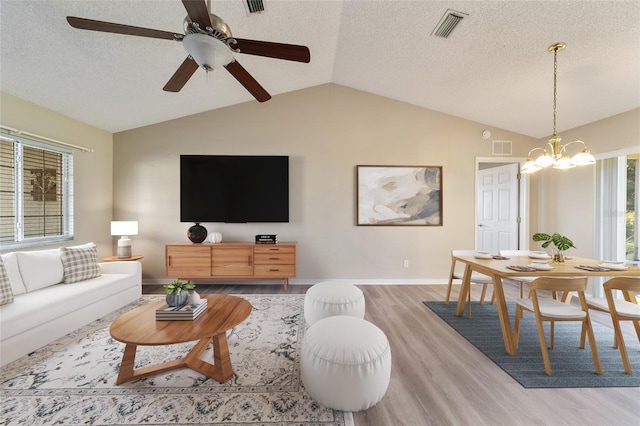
[(72, 381), (572, 367)]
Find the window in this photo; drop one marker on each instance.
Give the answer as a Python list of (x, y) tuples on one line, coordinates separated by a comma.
[(36, 193), (633, 201)]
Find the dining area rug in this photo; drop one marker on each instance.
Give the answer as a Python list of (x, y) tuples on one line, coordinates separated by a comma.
[(72, 380), (572, 367)]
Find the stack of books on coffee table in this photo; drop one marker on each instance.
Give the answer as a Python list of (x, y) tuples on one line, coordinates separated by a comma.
[(180, 313)]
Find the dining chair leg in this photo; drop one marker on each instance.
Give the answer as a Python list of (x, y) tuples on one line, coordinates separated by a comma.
[(594, 349), (483, 294), (583, 335), (552, 330), (543, 346), (521, 290), (469, 302)]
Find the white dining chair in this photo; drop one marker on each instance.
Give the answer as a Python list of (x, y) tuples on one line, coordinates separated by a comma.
[(553, 310), (476, 278), (620, 310)]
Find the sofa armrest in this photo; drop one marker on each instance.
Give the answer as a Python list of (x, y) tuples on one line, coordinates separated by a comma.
[(122, 267)]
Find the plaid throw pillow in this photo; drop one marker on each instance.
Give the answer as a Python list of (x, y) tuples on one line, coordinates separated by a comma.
[(6, 295), (79, 263)]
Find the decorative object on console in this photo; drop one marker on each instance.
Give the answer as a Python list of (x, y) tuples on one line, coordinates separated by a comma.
[(554, 154), (177, 292), (266, 239), (399, 195), (124, 229), (197, 233), (560, 242), (215, 237)]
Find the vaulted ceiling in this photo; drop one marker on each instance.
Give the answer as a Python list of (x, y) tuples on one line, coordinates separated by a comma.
[(494, 68)]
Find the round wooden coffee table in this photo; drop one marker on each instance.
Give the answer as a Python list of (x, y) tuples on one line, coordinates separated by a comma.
[(139, 327)]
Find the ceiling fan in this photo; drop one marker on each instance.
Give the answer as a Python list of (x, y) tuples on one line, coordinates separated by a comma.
[(208, 40)]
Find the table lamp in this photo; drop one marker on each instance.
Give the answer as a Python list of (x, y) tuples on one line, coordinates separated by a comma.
[(124, 229)]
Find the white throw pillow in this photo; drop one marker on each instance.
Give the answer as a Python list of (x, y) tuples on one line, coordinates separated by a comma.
[(6, 295), (79, 264), (10, 261), (40, 268)]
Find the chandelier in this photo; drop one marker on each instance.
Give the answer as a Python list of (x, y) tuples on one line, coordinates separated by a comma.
[(553, 153)]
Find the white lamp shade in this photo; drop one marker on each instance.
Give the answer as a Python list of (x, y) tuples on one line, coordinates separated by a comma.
[(124, 227)]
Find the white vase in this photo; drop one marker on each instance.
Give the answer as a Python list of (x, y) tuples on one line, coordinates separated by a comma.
[(194, 298), (215, 237)]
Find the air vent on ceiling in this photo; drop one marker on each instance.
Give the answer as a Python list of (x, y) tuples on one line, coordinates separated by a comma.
[(448, 23), (254, 6), (501, 148)]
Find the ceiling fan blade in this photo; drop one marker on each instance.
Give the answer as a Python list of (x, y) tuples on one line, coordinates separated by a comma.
[(248, 81), (198, 12), (110, 27), (181, 76), (290, 52)]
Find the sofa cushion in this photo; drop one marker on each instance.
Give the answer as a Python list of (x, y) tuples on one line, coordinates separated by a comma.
[(40, 268), (6, 293), (30, 310), (13, 271), (79, 263)]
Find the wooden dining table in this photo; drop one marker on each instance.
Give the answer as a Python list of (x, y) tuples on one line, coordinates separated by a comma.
[(498, 269)]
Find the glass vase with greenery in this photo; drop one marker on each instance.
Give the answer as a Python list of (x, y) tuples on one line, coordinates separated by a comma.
[(560, 242)]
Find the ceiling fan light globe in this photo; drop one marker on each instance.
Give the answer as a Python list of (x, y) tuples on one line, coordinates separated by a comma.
[(208, 52)]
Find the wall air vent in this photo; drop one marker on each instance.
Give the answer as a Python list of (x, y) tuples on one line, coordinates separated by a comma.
[(254, 6), (501, 148), (448, 23)]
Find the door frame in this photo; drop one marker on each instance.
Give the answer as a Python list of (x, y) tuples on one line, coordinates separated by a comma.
[(523, 199)]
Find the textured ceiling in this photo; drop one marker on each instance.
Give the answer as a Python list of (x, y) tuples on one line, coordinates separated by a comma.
[(494, 68)]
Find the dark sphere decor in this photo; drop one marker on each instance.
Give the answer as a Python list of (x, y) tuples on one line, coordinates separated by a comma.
[(197, 233)]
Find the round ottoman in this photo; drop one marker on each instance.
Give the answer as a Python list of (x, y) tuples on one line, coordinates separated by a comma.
[(329, 298), (345, 363)]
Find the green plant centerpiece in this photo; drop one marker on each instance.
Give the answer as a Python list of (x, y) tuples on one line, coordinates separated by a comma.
[(177, 292), (560, 242)]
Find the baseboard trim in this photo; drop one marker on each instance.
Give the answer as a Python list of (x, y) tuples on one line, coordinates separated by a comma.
[(310, 281)]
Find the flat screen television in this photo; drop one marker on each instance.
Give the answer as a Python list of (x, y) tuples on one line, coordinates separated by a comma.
[(234, 188)]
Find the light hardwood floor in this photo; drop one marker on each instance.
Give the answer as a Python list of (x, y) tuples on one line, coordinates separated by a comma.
[(439, 378)]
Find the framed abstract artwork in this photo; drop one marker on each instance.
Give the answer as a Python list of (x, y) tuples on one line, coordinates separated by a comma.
[(399, 195)]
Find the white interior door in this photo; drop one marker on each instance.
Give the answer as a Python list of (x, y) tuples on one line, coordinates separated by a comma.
[(498, 208)]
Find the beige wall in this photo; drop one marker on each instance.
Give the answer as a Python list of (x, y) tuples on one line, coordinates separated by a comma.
[(93, 171), (567, 197), (326, 131)]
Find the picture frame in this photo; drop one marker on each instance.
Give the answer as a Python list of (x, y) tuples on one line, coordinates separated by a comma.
[(399, 195)]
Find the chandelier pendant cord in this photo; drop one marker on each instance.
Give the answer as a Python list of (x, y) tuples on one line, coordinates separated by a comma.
[(555, 90), (553, 153)]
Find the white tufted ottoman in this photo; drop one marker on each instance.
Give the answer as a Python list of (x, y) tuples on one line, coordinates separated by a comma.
[(345, 363), (329, 298)]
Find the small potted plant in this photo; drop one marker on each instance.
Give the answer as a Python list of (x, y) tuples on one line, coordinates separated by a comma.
[(560, 242), (177, 292)]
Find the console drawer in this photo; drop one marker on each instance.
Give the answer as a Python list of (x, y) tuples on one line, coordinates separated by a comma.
[(276, 271), (275, 258)]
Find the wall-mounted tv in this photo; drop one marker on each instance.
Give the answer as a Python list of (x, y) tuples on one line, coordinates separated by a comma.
[(234, 188)]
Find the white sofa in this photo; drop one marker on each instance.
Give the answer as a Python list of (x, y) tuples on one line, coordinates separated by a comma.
[(45, 307)]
